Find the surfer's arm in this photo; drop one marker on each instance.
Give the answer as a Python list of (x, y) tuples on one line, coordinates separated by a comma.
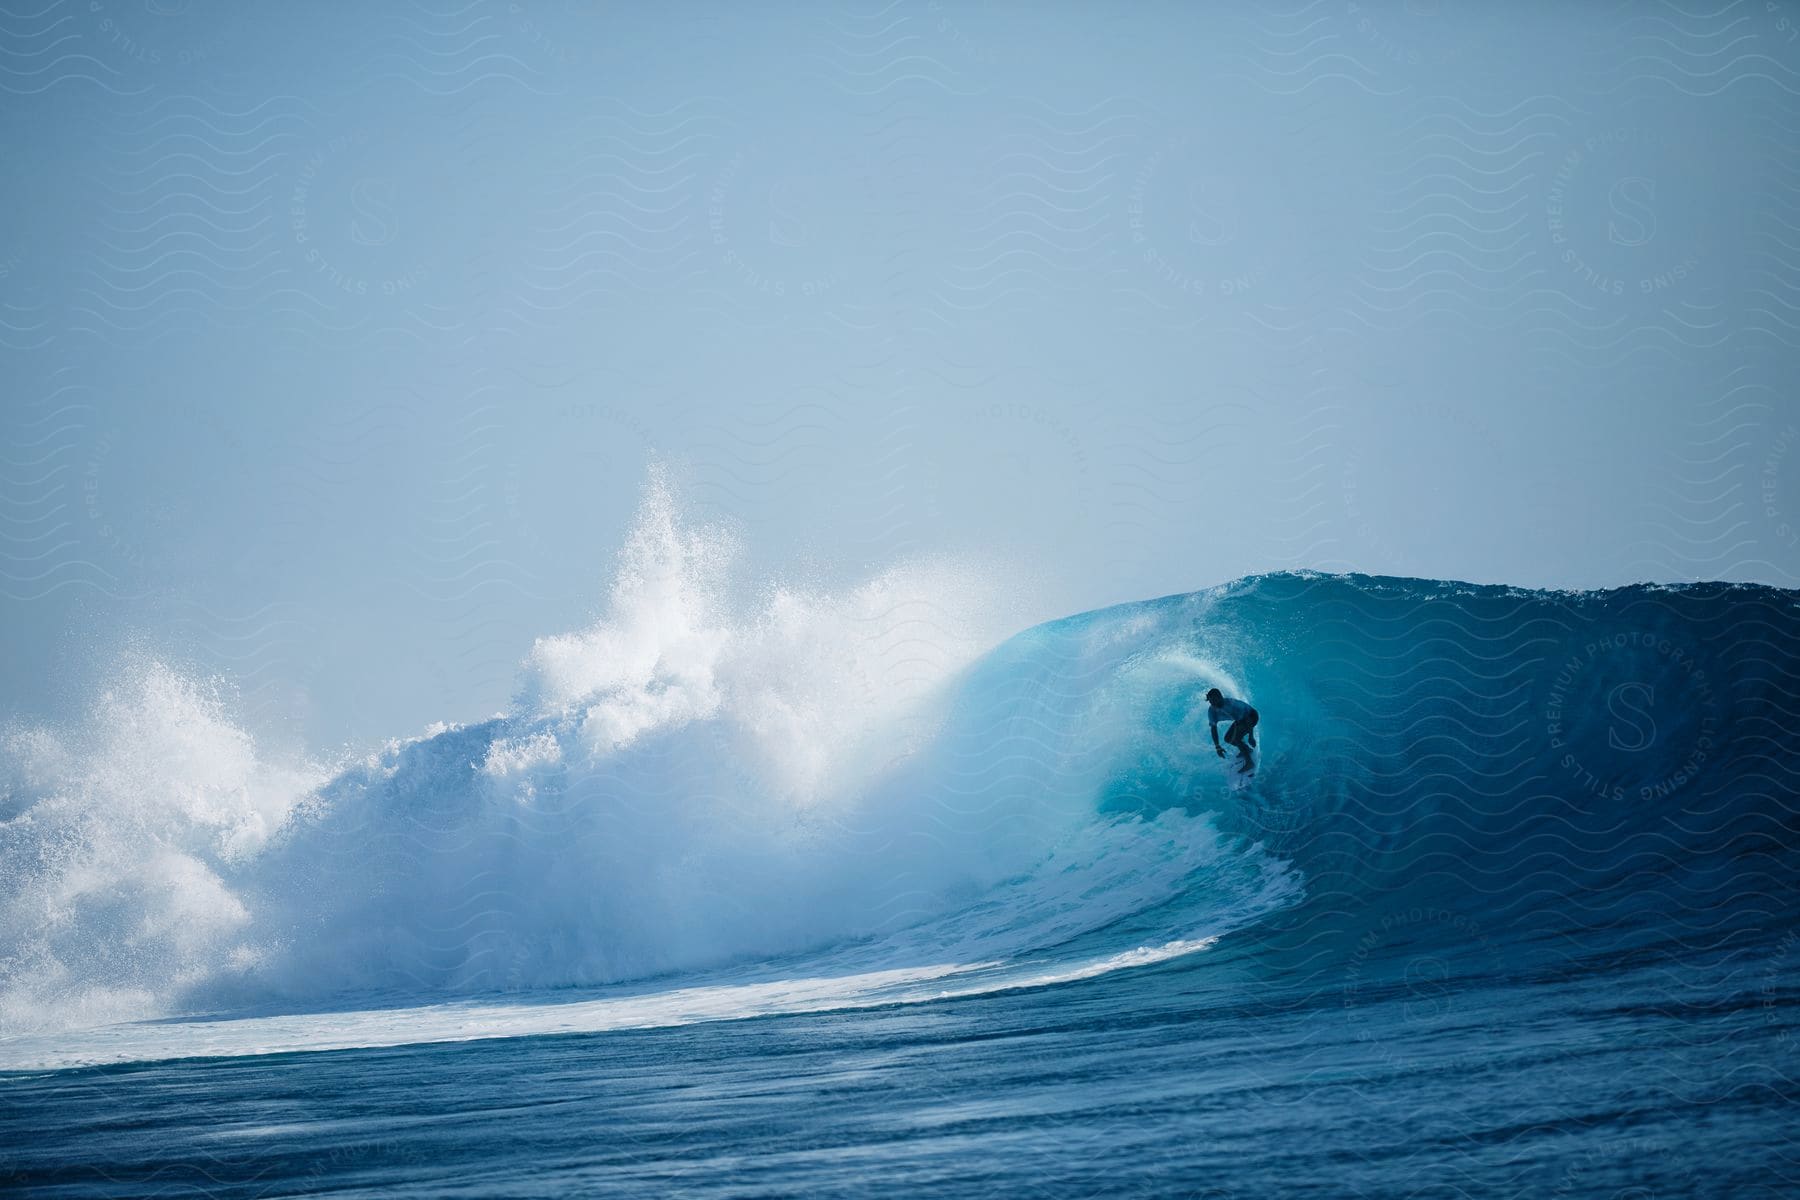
[(1212, 724)]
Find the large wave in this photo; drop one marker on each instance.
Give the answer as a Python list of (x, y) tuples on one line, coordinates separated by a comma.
[(865, 782)]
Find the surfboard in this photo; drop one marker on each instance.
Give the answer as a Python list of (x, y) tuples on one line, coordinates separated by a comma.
[(1238, 774)]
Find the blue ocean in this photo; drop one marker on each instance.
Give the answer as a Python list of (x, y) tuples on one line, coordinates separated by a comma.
[(838, 893)]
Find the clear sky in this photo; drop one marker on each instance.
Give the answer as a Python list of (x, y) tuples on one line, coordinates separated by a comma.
[(339, 338)]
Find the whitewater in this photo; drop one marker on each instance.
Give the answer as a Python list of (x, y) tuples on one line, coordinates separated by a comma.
[(1510, 908)]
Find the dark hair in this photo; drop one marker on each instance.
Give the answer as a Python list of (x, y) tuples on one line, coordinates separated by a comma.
[(1214, 694)]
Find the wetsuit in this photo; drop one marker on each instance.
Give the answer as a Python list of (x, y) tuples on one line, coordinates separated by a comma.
[(1242, 717)]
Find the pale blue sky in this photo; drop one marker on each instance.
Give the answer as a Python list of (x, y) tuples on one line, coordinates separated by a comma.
[(339, 338)]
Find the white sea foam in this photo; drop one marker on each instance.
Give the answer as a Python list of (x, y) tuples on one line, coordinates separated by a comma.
[(121, 846), (705, 775)]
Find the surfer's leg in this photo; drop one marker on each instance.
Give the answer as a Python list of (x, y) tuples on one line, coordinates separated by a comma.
[(1235, 736)]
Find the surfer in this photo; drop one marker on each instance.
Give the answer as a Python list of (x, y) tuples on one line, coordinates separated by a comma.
[(1242, 730)]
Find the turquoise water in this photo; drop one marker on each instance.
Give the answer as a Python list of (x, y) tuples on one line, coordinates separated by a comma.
[(1510, 910)]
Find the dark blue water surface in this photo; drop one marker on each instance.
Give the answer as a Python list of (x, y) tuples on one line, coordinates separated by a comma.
[(1543, 939), (1184, 1080)]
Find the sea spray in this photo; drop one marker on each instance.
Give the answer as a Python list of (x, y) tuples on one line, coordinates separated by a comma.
[(670, 789), (122, 849)]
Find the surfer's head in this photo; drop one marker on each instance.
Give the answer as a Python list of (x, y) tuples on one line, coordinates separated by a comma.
[(1214, 695)]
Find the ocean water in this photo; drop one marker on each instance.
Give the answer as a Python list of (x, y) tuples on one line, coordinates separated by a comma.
[(798, 893)]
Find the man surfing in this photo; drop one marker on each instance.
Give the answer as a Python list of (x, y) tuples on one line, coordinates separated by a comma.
[(1242, 730)]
